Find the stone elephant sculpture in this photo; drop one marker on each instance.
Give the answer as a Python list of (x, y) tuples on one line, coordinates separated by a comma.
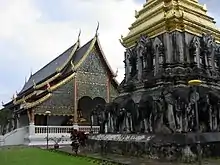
[(127, 116), (145, 109)]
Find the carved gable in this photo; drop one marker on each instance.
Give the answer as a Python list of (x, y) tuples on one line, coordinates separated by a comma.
[(92, 77), (93, 63)]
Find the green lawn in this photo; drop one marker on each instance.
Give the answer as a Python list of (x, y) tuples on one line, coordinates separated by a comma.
[(35, 156)]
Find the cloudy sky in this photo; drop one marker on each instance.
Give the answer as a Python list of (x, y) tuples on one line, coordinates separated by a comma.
[(33, 32)]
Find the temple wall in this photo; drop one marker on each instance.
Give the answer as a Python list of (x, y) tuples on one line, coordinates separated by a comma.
[(23, 120), (61, 102)]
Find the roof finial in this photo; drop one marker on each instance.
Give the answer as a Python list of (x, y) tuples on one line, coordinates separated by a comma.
[(25, 80), (116, 73), (23, 99), (79, 34), (72, 65), (48, 85), (78, 40), (204, 7), (34, 83), (121, 41), (97, 29), (31, 72), (13, 97), (2, 103)]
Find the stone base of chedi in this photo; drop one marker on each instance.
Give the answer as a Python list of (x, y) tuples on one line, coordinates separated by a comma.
[(175, 147)]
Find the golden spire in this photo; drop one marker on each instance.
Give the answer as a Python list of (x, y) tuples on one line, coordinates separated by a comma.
[(161, 16)]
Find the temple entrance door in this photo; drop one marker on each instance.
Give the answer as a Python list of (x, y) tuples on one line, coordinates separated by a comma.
[(85, 106)]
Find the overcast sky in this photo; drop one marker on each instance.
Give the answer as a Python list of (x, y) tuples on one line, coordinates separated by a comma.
[(34, 32)]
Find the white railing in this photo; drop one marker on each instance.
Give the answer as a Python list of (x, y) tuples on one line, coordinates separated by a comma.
[(63, 129), (35, 135)]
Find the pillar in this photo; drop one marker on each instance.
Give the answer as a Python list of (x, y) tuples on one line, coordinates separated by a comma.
[(17, 121), (108, 89), (30, 113), (75, 122)]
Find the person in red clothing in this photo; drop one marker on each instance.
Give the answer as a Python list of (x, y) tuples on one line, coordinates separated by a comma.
[(78, 139), (75, 140)]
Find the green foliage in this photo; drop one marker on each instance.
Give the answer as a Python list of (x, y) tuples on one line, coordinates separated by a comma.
[(35, 156), (5, 116)]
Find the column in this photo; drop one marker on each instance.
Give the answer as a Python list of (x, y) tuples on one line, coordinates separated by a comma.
[(31, 122), (75, 125), (108, 89), (17, 120)]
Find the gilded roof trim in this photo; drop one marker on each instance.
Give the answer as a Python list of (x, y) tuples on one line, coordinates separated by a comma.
[(48, 81), (87, 53), (52, 88), (66, 80), (24, 98), (39, 101), (70, 57)]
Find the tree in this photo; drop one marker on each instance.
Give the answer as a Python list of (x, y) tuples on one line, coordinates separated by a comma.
[(5, 116)]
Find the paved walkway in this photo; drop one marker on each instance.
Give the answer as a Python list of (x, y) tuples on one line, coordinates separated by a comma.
[(133, 161)]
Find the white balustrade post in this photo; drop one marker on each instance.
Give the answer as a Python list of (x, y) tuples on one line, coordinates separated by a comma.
[(31, 129), (76, 126)]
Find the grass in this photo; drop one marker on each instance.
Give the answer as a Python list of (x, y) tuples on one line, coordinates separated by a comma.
[(35, 156)]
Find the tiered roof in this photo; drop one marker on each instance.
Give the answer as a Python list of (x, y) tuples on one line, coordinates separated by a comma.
[(160, 16)]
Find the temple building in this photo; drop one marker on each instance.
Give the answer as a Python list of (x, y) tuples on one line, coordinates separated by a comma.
[(69, 87)]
